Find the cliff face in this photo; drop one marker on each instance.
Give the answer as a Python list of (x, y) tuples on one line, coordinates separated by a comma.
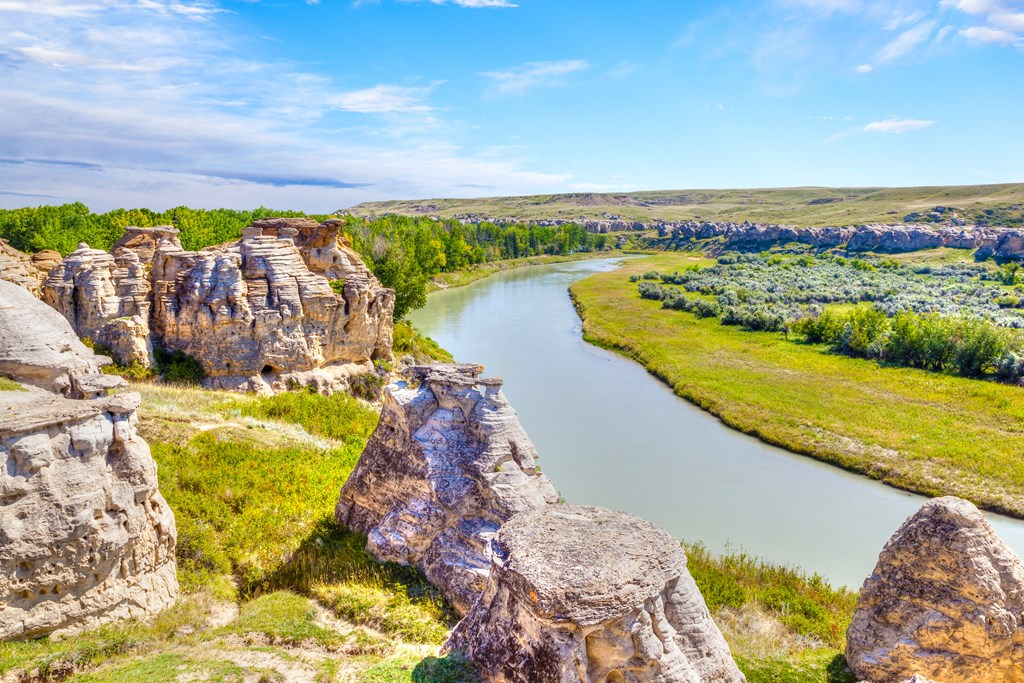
[(259, 314), (25, 270), (448, 464), (85, 536)]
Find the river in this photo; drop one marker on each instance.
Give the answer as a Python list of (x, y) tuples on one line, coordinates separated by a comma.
[(611, 434)]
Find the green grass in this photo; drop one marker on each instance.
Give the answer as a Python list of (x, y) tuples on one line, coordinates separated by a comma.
[(283, 617), (10, 385), (799, 206), (922, 431), (409, 342)]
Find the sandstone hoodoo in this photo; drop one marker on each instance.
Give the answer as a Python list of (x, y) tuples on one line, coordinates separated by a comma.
[(946, 601), (260, 314), (39, 348), (85, 536), (25, 270), (580, 594), (447, 465)]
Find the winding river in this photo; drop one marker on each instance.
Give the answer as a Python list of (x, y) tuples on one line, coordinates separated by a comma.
[(611, 434)]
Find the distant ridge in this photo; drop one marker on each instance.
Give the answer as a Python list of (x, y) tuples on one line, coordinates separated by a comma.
[(997, 205)]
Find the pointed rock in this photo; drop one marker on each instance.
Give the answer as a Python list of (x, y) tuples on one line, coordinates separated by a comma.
[(946, 601)]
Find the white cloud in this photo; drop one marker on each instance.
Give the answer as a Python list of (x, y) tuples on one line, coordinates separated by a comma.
[(864, 69), (896, 125), (905, 42), (473, 4), (520, 79), (384, 99), (985, 34)]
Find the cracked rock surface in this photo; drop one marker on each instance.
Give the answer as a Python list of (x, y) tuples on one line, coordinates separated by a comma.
[(581, 594), (945, 601), (447, 465)]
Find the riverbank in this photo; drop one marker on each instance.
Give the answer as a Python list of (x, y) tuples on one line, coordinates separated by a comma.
[(461, 278), (924, 432)]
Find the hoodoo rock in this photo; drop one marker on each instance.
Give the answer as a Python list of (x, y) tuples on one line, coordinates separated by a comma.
[(85, 536), (259, 314), (580, 594), (39, 348), (25, 270), (447, 465), (946, 601)]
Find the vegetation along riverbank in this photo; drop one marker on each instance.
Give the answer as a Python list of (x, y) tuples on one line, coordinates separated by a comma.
[(925, 431)]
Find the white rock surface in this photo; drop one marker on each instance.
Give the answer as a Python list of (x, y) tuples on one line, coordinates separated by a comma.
[(945, 601)]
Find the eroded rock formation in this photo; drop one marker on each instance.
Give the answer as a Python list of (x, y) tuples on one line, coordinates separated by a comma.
[(85, 536), (580, 594), (447, 465), (259, 314), (25, 270), (39, 348), (946, 601)]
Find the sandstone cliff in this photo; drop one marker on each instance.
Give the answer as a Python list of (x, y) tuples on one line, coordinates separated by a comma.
[(85, 536), (259, 314), (580, 594), (25, 270), (946, 600), (447, 465)]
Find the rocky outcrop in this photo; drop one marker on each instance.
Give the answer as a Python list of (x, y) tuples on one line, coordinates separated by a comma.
[(581, 594), (260, 314), (447, 465), (25, 270), (946, 601), (872, 237), (85, 536), (39, 348)]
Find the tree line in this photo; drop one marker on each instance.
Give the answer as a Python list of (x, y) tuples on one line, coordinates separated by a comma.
[(403, 252)]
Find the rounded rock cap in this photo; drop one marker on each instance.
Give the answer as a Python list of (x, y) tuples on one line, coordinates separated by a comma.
[(585, 564)]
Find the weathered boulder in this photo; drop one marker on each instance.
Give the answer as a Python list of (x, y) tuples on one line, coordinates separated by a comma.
[(85, 536), (946, 601), (259, 314), (580, 594), (39, 348), (447, 465)]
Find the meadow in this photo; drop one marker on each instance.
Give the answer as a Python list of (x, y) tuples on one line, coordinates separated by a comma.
[(924, 431)]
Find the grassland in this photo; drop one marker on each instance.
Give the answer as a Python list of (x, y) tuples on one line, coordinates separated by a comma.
[(922, 431), (273, 591), (801, 206)]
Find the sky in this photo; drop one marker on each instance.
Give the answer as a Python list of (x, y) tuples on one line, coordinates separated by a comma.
[(318, 105)]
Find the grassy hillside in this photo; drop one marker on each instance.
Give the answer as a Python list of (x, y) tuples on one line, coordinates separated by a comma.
[(801, 206)]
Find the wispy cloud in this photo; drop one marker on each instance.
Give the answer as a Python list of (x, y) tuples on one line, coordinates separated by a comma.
[(384, 99), (986, 34), (1004, 20), (520, 79), (473, 4), (906, 42), (897, 125)]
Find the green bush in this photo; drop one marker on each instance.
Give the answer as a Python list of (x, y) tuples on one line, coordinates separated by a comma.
[(177, 367)]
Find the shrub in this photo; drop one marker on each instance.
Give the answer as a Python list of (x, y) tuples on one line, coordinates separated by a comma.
[(706, 309), (651, 275), (338, 286), (649, 290), (368, 386), (177, 367)]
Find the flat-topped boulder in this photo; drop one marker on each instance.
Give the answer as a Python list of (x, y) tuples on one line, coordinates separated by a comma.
[(581, 594), (945, 601), (38, 347), (446, 466)]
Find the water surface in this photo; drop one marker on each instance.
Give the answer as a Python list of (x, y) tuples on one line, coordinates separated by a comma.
[(611, 434)]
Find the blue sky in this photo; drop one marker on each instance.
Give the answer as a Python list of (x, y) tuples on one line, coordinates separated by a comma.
[(319, 105)]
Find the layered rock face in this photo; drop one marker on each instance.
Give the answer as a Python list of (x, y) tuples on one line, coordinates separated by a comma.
[(580, 594), (946, 601), (39, 348), (259, 314), (85, 536), (1001, 243), (447, 465), (24, 270)]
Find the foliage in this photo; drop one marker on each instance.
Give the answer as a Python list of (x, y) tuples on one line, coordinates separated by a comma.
[(177, 367), (336, 416), (408, 341), (368, 386), (9, 385), (338, 286)]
